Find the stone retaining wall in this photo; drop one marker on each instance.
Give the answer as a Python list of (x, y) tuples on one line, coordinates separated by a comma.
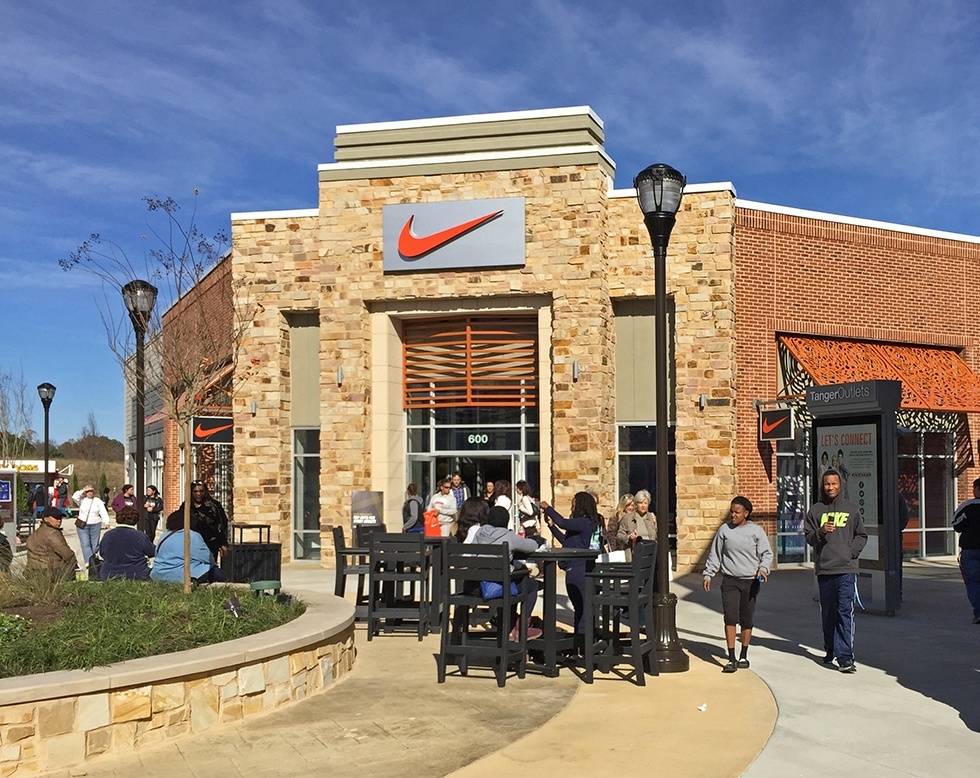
[(63, 719)]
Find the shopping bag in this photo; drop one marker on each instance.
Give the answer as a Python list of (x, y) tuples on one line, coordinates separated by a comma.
[(431, 518)]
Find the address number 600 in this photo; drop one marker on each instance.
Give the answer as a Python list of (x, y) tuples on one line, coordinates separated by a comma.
[(478, 439)]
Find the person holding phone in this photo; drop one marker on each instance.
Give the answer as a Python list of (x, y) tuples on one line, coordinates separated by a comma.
[(742, 552)]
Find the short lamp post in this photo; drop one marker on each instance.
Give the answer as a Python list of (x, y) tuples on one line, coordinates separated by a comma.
[(659, 188), (140, 297), (46, 392)]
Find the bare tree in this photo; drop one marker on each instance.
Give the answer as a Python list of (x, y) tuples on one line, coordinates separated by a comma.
[(16, 407), (197, 326), (91, 427)]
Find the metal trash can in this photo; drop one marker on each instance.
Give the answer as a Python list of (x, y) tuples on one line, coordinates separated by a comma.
[(250, 561)]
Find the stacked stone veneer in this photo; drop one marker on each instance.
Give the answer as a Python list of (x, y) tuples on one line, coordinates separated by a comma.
[(64, 719), (584, 249)]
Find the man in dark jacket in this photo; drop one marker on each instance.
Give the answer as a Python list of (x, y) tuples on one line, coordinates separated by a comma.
[(834, 528), (966, 521)]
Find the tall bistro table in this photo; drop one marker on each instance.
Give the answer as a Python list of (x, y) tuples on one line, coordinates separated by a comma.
[(549, 643)]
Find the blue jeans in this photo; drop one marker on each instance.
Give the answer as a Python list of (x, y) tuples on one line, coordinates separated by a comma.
[(970, 567), (837, 611), (88, 536)]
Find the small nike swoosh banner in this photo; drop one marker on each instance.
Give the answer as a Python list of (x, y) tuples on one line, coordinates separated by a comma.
[(451, 235), (776, 424), (213, 430)]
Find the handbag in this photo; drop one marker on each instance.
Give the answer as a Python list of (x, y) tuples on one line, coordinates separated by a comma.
[(95, 567), (491, 590), (80, 522)]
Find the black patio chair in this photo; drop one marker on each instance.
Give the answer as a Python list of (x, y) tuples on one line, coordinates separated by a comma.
[(615, 590), (351, 561), (398, 582), (466, 566)]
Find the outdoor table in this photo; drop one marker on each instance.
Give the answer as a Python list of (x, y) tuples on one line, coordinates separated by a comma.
[(547, 559), (437, 587)]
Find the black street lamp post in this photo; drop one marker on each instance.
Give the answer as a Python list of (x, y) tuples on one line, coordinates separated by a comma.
[(659, 189), (140, 297), (46, 392)]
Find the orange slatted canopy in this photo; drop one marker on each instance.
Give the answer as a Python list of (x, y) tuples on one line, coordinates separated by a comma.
[(465, 361), (933, 379)]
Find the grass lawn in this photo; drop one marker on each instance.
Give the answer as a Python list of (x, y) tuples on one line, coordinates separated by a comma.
[(71, 625)]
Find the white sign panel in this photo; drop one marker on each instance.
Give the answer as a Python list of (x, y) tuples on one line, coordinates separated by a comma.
[(453, 235)]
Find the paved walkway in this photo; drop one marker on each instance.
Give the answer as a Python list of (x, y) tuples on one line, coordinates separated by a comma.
[(912, 709)]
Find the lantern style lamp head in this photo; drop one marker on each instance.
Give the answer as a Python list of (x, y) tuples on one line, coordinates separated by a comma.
[(46, 392), (140, 297), (659, 189)]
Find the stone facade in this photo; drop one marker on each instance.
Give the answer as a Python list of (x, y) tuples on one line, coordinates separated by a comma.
[(584, 249), (77, 727)]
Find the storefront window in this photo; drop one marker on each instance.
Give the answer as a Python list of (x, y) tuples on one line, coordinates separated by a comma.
[(925, 480), (637, 468), (306, 494), (792, 497)]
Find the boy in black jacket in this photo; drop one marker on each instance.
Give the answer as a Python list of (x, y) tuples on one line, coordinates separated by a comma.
[(834, 528)]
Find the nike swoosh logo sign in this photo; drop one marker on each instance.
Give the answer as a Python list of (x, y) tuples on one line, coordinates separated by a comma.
[(411, 246), (207, 432), (767, 427)]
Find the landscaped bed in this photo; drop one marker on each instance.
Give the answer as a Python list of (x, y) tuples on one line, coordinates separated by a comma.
[(71, 625)]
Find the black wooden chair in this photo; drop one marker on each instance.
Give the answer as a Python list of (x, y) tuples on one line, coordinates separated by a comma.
[(613, 591), (398, 582), (465, 567), (351, 561)]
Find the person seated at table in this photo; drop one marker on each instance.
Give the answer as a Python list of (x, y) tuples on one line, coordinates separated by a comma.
[(47, 550), (168, 564), (582, 529), (472, 515), (125, 550), (495, 532)]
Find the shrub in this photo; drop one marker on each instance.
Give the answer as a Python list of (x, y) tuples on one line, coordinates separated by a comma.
[(112, 621)]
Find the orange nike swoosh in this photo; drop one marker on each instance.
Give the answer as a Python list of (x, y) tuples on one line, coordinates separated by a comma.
[(413, 247), (767, 428), (201, 432)]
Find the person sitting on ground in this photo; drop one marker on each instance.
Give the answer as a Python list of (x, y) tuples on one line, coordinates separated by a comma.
[(495, 532), (639, 524), (169, 562), (125, 550), (47, 549), (472, 515)]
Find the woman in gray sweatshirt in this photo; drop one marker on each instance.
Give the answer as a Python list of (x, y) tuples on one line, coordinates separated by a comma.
[(741, 551)]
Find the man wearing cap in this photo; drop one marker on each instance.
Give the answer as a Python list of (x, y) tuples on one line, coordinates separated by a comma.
[(93, 517), (47, 548)]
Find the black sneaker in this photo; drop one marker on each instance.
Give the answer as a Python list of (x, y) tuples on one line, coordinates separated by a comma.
[(730, 667), (828, 659), (850, 667), (976, 619), (743, 663)]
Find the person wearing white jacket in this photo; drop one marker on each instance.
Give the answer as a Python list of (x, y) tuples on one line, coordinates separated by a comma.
[(92, 518)]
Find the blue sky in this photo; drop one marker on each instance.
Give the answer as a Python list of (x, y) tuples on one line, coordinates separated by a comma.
[(868, 109)]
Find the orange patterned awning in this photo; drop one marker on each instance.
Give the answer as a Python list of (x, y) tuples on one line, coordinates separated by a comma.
[(933, 379)]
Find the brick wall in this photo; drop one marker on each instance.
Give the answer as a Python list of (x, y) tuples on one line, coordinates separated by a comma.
[(797, 274)]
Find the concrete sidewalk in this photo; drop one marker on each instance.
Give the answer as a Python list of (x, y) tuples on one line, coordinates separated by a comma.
[(912, 709)]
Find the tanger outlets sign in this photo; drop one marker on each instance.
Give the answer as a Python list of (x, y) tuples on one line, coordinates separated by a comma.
[(453, 235)]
